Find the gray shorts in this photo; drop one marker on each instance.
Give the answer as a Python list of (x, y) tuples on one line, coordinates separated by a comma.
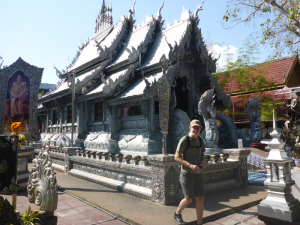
[(192, 184)]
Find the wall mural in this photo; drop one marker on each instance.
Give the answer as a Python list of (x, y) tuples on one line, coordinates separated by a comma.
[(17, 101)]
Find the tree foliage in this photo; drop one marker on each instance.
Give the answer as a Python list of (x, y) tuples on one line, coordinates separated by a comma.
[(280, 21), (249, 80)]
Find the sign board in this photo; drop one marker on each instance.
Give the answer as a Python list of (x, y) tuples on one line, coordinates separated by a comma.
[(240, 144), (8, 163)]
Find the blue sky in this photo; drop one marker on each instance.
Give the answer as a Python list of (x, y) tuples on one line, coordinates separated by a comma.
[(47, 33)]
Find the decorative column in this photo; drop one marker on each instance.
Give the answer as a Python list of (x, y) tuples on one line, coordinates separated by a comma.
[(165, 179), (280, 205), (239, 155), (59, 109), (163, 90)]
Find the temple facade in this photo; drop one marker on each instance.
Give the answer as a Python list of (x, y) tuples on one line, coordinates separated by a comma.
[(133, 90), (136, 86)]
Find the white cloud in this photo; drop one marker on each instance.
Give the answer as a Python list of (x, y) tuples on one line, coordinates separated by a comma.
[(223, 52)]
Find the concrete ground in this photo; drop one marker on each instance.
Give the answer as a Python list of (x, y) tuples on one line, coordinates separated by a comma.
[(80, 202), (138, 211), (69, 211)]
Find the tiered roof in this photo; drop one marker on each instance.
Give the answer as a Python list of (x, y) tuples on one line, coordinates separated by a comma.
[(114, 59)]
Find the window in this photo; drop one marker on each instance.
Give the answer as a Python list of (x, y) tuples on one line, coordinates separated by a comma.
[(54, 117), (132, 111), (69, 114), (99, 111)]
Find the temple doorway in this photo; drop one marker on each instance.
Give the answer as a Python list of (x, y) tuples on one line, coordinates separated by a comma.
[(182, 95)]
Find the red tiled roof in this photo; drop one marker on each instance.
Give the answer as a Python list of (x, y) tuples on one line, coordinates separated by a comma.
[(277, 71), (239, 105)]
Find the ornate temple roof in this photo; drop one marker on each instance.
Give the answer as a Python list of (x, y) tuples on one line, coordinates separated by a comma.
[(136, 89), (110, 65), (160, 44), (89, 52)]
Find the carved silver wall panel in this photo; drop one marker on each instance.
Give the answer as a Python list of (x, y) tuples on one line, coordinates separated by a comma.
[(100, 142), (135, 142), (133, 124), (117, 175), (179, 127), (34, 75), (165, 179)]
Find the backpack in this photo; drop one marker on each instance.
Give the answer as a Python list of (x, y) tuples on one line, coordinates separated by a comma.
[(188, 145)]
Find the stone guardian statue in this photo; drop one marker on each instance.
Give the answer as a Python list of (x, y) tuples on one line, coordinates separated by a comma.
[(42, 185), (252, 112), (207, 109)]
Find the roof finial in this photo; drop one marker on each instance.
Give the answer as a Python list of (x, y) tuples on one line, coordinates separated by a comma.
[(131, 11), (197, 10), (158, 16)]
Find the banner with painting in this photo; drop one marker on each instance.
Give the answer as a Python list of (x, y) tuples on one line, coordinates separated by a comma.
[(17, 102)]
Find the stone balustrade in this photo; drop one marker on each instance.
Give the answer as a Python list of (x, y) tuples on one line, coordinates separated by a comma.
[(152, 177)]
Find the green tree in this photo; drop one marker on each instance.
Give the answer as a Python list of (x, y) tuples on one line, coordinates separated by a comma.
[(249, 79), (279, 21)]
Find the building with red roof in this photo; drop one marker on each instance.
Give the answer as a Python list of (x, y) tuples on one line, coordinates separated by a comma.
[(280, 73)]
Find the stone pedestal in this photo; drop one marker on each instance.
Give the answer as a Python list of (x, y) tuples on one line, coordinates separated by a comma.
[(69, 151), (165, 179), (23, 173), (239, 155)]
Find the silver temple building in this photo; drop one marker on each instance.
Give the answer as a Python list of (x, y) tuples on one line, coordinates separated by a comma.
[(136, 89)]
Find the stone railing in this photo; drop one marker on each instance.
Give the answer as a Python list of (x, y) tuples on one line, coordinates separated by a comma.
[(152, 177)]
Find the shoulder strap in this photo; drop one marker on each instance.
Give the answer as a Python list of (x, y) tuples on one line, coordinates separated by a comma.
[(200, 141), (187, 145)]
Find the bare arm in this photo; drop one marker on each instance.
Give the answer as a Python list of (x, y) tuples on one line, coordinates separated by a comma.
[(178, 158)]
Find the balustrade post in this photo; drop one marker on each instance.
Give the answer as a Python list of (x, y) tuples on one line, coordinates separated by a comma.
[(239, 155), (165, 179), (69, 151)]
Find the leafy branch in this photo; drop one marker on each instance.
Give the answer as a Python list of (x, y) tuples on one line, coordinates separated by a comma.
[(280, 22)]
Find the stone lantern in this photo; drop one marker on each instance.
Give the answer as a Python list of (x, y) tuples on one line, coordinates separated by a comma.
[(280, 204)]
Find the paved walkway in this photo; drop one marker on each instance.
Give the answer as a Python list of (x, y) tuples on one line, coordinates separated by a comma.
[(138, 211), (247, 216), (236, 206), (70, 211)]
